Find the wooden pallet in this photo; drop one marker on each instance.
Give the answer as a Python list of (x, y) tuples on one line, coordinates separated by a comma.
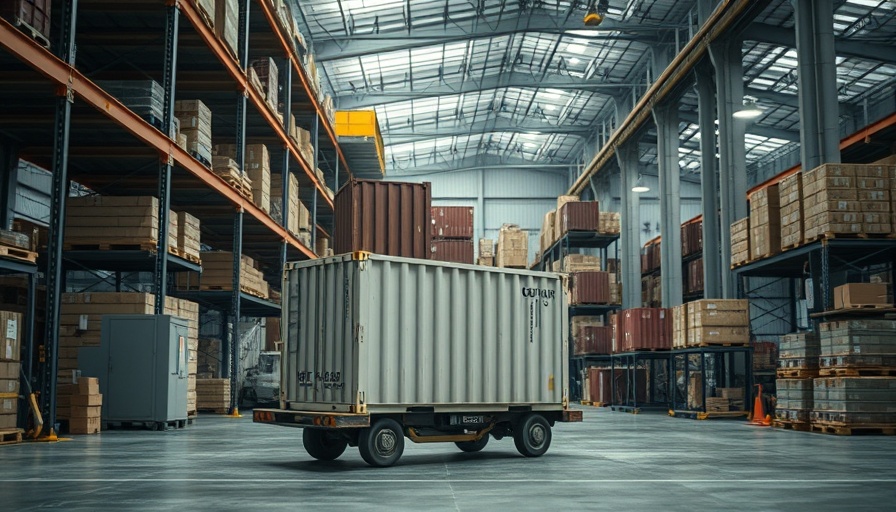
[(222, 288), (829, 235), (11, 436), (791, 246), (799, 426), (841, 429), (594, 404), (17, 253), (705, 345), (858, 371), (122, 245), (193, 258), (796, 373)]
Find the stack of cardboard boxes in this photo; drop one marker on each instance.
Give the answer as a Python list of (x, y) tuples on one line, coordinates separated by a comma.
[(217, 274), (718, 322), (112, 222), (10, 353), (258, 170), (765, 222), (85, 407), (196, 124), (213, 395), (293, 204), (486, 252), (188, 236), (790, 191), (740, 242), (513, 247)]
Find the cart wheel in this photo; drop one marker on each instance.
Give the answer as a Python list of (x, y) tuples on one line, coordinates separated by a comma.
[(473, 446), (532, 436), (382, 444), (323, 444)]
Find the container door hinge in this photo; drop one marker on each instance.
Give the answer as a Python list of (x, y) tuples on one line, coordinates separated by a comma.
[(359, 333)]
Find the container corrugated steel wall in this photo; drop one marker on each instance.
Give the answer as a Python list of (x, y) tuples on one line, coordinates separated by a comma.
[(391, 333), (452, 222), (384, 217), (458, 251)]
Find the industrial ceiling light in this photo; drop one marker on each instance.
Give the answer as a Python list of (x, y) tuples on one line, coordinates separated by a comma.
[(749, 111), (640, 187)]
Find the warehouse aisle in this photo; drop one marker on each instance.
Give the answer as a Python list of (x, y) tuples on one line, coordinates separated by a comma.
[(612, 461)]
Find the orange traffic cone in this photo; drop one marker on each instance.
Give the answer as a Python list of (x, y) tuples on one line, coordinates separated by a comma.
[(760, 418)]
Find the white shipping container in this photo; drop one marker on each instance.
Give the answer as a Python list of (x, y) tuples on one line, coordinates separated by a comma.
[(378, 334)]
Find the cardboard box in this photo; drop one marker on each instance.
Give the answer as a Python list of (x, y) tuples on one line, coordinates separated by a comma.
[(8, 405), (88, 386), (860, 294), (8, 420), (85, 412), (87, 400), (9, 386), (11, 325), (84, 426), (9, 370)]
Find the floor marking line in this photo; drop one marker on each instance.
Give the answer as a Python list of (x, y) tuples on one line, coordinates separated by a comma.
[(442, 481)]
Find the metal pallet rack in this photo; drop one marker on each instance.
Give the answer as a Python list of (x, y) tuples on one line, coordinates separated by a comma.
[(66, 123), (11, 267), (656, 368), (719, 367), (575, 240)]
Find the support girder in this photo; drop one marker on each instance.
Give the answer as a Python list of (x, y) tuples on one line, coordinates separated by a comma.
[(353, 46), (349, 100), (780, 36), (408, 134), (474, 162), (755, 129)]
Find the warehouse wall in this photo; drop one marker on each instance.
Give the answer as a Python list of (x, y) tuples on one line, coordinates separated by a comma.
[(33, 193), (499, 196)]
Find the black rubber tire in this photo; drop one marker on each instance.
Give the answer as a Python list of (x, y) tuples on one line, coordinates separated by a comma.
[(382, 444), (473, 446), (532, 436), (323, 445)]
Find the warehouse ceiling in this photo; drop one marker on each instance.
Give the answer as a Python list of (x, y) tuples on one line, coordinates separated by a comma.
[(464, 83)]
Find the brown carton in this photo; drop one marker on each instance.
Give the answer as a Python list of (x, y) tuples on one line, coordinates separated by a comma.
[(88, 386), (860, 294)]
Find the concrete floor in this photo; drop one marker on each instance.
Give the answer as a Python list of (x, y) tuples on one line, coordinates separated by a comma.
[(612, 461)]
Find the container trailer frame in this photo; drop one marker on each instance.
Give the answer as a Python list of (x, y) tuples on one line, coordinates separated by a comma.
[(378, 426)]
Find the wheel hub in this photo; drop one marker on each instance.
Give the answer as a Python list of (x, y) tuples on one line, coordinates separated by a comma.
[(537, 435), (385, 442)]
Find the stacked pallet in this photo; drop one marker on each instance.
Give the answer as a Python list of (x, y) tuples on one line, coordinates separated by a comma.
[(841, 199), (765, 222), (692, 237), (84, 407), (80, 324), (740, 242), (188, 236), (145, 98), (10, 353), (643, 329), (217, 275), (795, 400), (852, 405), (116, 222), (589, 287), (547, 236), (227, 17), (652, 291), (513, 247), (714, 322), (209, 357), (213, 395), (591, 336), (258, 170), (196, 124), (790, 191), (486, 252), (269, 76), (679, 326), (857, 346), (452, 234), (293, 204), (609, 223)]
